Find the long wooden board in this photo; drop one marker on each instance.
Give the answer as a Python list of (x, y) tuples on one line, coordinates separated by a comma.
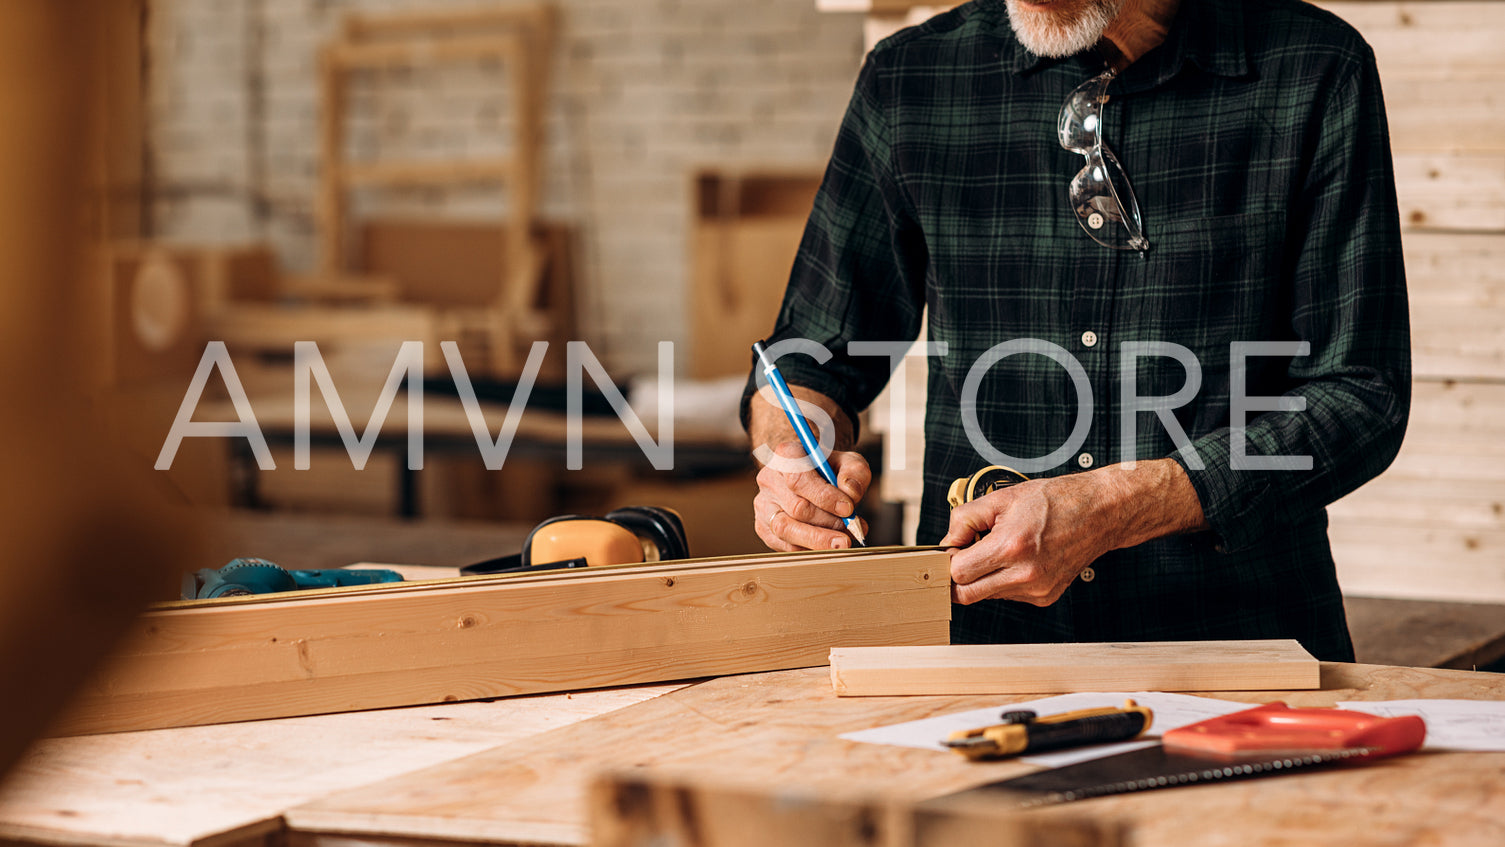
[(1051, 668), (406, 645)]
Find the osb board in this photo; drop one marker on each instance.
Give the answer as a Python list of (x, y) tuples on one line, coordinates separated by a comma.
[(414, 643), (217, 785), (1055, 668), (780, 730)]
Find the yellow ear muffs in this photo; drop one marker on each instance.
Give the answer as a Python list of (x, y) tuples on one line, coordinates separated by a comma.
[(597, 541)]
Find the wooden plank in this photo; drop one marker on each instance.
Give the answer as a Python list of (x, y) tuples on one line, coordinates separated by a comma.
[(633, 809), (206, 786), (1423, 109), (1453, 36), (780, 730), (1380, 558), (1451, 192), (411, 644), (1054, 668)]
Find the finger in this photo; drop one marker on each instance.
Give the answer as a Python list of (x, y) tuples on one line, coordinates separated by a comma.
[(1019, 582), (773, 541), (971, 520), (823, 495), (805, 512), (853, 474), (807, 536), (995, 551)]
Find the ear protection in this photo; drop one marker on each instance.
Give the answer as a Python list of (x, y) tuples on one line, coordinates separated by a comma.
[(625, 536)]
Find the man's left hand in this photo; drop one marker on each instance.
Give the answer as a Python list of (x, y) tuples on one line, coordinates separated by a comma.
[(1029, 541), (1026, 542)]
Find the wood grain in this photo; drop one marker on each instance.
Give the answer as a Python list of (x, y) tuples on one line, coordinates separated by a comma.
[(1054, 668), (407, 644), (779, 730), (205, 786)]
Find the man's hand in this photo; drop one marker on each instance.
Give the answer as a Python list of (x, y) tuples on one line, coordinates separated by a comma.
[(795, 508), (1029, 541), (800, 510)]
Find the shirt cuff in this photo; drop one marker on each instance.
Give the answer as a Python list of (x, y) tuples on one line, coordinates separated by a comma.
[(806, 375), (1233, 501)]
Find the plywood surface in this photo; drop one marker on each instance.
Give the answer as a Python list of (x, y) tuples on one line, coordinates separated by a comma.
[(780, 730), (206, 785), (1056, 668)]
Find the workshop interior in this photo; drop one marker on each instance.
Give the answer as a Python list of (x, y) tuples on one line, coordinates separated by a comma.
[(238, 234)]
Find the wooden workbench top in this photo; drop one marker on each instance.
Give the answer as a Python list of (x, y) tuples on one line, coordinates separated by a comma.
[(229, 784), (779, 730)]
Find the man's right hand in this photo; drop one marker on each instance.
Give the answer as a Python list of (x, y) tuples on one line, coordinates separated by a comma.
[(799, 510)]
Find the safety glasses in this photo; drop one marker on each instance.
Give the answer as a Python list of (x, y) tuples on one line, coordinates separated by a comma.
[(1101, 197)]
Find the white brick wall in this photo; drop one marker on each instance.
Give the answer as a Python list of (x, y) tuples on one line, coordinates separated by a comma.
[(643, 92)]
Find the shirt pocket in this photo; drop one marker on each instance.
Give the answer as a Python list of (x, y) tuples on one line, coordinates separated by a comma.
[(1205, 284), (1208, 282)]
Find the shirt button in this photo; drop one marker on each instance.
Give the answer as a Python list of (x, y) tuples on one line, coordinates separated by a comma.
[(1084, 461), (1096, 220), (1089, 339), (1088, 575)]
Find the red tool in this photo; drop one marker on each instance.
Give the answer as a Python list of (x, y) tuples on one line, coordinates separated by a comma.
[(1278, 727), (1268, 739)]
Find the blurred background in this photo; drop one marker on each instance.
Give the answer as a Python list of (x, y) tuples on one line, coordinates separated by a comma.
[(369, 172), (360, 173)]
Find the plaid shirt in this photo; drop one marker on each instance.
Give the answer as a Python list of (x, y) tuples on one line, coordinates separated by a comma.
[(1255, 139)]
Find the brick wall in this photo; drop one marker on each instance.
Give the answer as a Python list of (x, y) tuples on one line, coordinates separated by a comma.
[(643, 91)]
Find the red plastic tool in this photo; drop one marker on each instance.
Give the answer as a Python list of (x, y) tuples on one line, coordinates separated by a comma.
[(1278, 727)]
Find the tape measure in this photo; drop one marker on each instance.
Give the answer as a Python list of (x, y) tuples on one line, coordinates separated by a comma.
[(986, 481)]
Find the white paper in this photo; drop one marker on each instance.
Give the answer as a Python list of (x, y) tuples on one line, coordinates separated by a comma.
[(1451, 724), (1171, 711)]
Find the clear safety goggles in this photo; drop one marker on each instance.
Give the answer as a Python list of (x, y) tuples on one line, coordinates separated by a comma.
[(1101, 196)]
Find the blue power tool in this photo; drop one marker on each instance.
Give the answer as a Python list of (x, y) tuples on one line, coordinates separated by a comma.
[(259, 576)]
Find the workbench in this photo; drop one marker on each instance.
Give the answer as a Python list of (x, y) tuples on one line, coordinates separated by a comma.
[(515, 771)]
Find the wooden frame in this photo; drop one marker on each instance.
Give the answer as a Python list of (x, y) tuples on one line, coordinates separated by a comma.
[(437, 641), (521, 38)]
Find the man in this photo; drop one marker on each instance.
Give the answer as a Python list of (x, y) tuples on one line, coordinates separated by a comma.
[(1112, 207)]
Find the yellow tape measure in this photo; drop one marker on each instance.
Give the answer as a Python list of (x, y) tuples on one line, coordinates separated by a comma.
[(986, 481)]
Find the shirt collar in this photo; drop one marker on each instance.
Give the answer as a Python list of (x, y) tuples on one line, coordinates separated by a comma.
[(1207, 33)]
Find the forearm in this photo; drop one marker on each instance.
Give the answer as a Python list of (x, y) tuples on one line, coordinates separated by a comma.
[(1146, 500), (769, 427)]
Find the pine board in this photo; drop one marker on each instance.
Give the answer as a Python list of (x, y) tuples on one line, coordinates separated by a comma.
[(1056, 668), (409, 644)]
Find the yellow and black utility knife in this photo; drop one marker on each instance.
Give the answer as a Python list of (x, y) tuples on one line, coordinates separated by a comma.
[(1023, 732)]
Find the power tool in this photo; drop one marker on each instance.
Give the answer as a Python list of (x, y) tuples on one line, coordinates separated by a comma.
[(986, 481), (624, 536), (258, 576)]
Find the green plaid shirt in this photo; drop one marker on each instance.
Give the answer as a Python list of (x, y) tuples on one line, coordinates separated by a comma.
[(1255, 139)]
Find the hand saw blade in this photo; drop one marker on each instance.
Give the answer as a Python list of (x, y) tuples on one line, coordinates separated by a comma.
[(1145, 769)]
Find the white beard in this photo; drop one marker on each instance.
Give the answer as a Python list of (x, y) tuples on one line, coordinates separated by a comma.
[(1043, 34)]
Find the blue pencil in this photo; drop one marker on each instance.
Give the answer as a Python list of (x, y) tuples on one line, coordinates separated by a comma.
[(802, 429)]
